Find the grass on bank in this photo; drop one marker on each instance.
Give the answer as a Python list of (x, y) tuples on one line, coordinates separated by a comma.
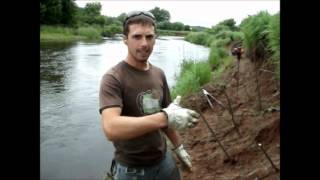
[(172, 33), (59, 33), (192, 77)]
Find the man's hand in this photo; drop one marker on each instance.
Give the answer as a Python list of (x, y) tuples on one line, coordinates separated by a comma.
[(180, 118), (183, 156)]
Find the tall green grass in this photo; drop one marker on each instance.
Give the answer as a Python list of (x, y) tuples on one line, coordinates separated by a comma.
[(236, 35), (220, 39), (216, 56), (274, 42), (255, 35), (172, 33), (57, 30), (226, 62), (192, 76), (89, 32), (221, 42), (201, 38), (59, 33)]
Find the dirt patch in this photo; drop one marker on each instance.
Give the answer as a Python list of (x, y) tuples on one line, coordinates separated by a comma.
[(247, 160)]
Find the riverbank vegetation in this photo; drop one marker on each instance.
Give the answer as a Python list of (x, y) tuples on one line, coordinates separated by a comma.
[(258, 34), (63, 20)]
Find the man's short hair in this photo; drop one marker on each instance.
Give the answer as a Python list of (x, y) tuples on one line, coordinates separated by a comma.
[(138, 17)]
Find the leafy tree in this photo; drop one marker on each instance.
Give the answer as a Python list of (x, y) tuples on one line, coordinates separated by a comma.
[(101, 20), (160, 14), (111, 30), (53, 12), (231, 23), (187, 28), (57, 12), (177, 26), (121, 17), (91, 13), (68, 9), (165, 25), (92, 9)]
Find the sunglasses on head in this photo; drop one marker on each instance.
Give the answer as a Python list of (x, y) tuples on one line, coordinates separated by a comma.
[(138, 13)]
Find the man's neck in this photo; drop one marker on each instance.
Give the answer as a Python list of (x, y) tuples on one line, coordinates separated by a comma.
[(141, 65)]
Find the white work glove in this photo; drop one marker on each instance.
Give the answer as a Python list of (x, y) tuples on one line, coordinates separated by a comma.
[(180, 118), (183, 156)]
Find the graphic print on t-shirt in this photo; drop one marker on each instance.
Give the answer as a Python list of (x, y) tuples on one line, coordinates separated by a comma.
[(149, 102)]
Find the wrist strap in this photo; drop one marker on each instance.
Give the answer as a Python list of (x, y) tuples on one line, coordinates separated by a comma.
[(174, 149)]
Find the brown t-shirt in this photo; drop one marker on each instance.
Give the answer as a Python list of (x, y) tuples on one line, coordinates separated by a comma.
[(138, 93)]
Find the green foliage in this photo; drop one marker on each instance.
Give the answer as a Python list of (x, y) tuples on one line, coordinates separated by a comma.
[(53, 12), (225, 63), (202, 71), (192, 76), (216, 56), (91, 14), (230, 23), (57, 12), (274, 41), (92, 9), (199, 38), (198, 28), (221, 42), (220, 37), (121, 17), (177, 26), (57, 37), (274, 33), (89, 32), (185, 85), (255, 35), (210, 41), (218, 28), (224, 38), (57, 30), (160, 14), (222, 34), (172, 33), (68, 12), (164, 25), (111, 30), (187, 28), (235, 35), (58, 33), (113, 20), (101, 20)]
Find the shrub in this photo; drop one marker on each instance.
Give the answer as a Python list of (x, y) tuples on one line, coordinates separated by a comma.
[(192, 76), (89, 32), (216, 55), (255, 35)]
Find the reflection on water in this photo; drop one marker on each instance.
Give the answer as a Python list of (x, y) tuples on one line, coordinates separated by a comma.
[(73, 145)]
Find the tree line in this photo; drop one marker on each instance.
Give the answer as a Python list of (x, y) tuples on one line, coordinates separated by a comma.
[(67, 13)]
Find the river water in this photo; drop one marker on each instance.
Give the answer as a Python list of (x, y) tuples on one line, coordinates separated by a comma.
[(73, 145)]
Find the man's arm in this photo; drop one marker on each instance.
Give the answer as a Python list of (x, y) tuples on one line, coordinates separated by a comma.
[(118, 127), (173, 136)]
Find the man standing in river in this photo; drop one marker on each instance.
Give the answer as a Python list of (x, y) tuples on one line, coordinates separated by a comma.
[(136, 109)]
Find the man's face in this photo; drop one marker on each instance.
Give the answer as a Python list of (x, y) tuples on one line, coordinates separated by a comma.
[(140, 41)]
